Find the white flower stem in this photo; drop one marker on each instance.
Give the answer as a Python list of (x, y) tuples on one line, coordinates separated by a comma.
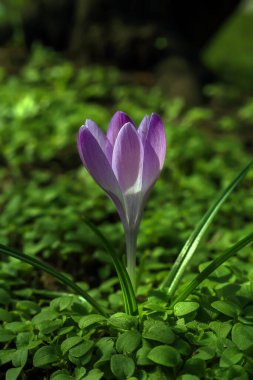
[(131, 239)]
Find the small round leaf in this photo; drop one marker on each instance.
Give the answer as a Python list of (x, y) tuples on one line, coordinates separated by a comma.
[(121, 366), (184, 308), (164, 355), (44, 356), (128, 342)]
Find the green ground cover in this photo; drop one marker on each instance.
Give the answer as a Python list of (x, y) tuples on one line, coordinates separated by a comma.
[(47, 332)]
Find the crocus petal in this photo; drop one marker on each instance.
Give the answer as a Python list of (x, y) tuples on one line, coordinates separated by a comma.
[(156, 137), (127, 159), (133, 209), (115, 125), (154, 152), (100, 137), (143, 128), (151, 167), (95, 161), (96, 132), (120, 205)]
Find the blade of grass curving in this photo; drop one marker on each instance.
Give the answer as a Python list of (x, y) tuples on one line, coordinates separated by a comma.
[(47, 268), (177, 271), (211, 268), (124, 279)]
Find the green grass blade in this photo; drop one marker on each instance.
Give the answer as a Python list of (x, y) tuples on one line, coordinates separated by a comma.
[(47, 268), (125, 282), (211, 268), (186, 253)]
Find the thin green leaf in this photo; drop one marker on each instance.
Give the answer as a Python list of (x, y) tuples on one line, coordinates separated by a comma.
[(211, 268), (125, 282), (47, 268), (177, 271)]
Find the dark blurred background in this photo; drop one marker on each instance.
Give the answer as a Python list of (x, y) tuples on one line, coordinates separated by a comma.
[(182, 44)]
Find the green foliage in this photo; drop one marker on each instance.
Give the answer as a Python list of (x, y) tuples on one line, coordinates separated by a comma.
[(184, 308), (164, 355), (158, 331), (122, 366), (184, 347), (46, 332)]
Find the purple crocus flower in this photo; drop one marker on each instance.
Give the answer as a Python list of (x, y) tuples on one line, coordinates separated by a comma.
[(126, 163)]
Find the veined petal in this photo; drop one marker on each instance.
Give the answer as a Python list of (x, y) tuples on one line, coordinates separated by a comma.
[(102, 140), (154, 152), (151, 167), (120, 205), (127, 159), (134, 203), (156, 137), (95, 161), (115, 125), (143, 128), (96, 132)]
